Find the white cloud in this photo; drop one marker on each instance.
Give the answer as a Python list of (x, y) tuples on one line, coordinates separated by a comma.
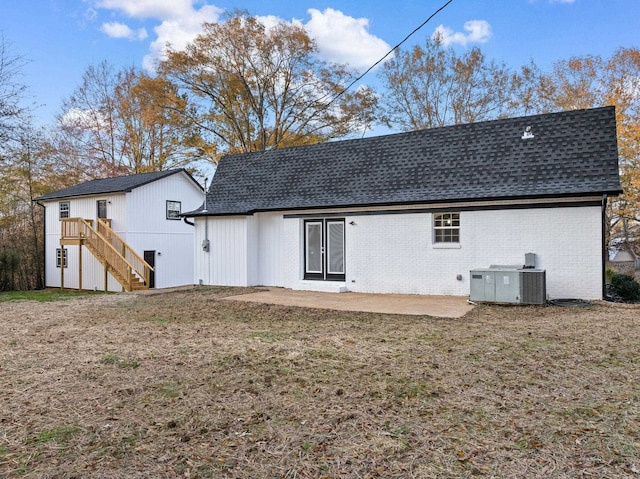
[(344, 39), (180, 23), (561, 1), (77, 118), (340, 38), (478, 31), (160, 9), (120, 30), (178, 32)]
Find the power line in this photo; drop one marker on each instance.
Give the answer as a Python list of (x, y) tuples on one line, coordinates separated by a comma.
[(338, 95), (388, 53)]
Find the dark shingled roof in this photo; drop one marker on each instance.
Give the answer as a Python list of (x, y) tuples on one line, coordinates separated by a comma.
[(572, 153), (118, 184)]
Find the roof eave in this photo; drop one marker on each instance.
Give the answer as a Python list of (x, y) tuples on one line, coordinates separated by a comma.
[(203, 213)]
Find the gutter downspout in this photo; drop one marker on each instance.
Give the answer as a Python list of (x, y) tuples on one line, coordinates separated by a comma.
[(604, 246)]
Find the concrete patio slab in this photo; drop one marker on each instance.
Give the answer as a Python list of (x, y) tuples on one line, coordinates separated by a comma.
[(413, 304)]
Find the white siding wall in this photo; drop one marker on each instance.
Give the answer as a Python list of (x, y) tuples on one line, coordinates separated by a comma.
[(293, 250), (226, 262), (252, 250), (139, 217), (394, 253), (271, 249), (149, 229), (244, 251), (92, 270)]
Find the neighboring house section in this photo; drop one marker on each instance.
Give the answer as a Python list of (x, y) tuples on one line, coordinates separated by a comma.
[(94, 229), (415, 212)]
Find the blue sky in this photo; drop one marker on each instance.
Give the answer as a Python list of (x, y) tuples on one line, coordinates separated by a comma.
[(60, 38)]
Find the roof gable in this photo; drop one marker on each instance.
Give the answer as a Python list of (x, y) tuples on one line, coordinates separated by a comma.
[(571, 154), (118, 184)]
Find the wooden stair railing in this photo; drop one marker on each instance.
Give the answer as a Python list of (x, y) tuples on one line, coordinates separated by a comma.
[(140, 266), (80, 231)]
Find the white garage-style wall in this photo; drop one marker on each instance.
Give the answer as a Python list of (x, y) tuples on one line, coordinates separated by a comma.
[(139, 216)]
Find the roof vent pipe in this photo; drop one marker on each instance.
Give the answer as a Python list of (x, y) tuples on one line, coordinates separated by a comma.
[(528, 133), (205, 196)]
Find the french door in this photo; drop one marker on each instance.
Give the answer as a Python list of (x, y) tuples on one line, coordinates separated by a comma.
[(324, 249)]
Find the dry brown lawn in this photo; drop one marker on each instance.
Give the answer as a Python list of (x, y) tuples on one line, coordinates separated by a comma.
[(187, 385)]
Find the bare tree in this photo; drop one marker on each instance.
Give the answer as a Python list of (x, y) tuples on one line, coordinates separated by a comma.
[(11, 91), (255, 88), (120, 122), (430, 86)]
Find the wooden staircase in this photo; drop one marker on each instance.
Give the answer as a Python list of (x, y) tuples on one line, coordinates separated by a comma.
[(117, 257)]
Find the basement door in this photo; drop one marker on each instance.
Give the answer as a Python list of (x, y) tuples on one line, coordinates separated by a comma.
[(324, 249)]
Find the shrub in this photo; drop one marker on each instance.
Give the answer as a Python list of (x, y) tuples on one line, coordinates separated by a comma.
[(626, 287)]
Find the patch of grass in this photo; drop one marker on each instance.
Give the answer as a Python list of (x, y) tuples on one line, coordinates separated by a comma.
[(244, 390), (58, 434), (157, 319), (45, 295), (271, 336), (122, 363), (582, 412), (169, 389), (408, 389)]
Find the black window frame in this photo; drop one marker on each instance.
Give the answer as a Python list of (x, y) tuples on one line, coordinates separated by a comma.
[(61, 257), (67, 210), (177, 217), (101, 205)]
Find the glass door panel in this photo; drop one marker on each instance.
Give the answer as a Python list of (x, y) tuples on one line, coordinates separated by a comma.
[(314, 250), (335, 248)]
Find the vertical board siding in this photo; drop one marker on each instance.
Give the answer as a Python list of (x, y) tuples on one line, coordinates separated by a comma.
[(252, 250), (149, 229), (92, 269), (139, 217), (226, 262), (270, 249), (293, 252)]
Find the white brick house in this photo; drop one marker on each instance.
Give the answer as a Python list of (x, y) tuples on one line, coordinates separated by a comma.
[(415, 212), (130, 222)]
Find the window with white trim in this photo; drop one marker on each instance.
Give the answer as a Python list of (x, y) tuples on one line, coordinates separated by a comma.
[(64, 209), (61, 257), (446, 228)]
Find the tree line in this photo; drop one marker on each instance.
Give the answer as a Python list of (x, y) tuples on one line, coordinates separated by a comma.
[(241, 86)]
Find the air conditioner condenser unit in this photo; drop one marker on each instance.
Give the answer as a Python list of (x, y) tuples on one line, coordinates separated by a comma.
[(505, 284)]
